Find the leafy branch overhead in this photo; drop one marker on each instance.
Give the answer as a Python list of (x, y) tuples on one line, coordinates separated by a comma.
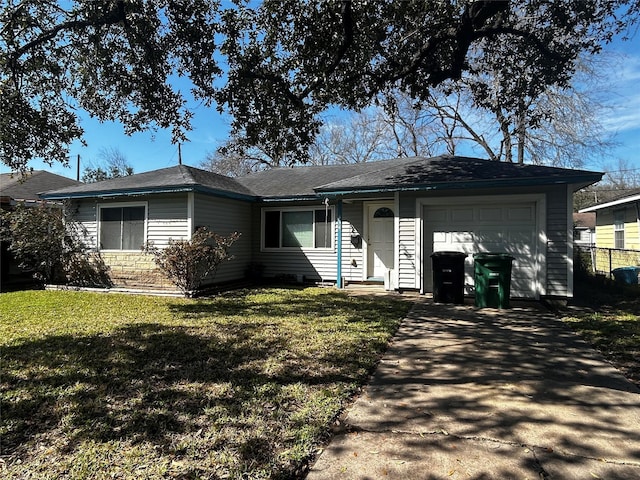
[(274, 66)]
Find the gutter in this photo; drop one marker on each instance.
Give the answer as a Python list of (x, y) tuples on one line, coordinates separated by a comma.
[(143, 191), (494, 183)]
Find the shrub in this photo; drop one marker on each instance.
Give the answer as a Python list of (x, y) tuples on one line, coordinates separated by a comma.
[(187, 263), (51, 247)]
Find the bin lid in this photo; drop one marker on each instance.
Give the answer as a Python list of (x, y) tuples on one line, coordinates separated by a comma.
[(444, 253), (492, 256)]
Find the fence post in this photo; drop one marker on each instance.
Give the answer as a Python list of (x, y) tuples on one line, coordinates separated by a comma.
[(610, 263)]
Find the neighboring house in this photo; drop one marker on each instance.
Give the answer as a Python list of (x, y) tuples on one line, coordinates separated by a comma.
[(15, 189), (618, 222), (584, 229), (369, 222), (617, 231)]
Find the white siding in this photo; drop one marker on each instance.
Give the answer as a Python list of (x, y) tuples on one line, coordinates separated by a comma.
[(407, 243), (225, 216), (85, 214), (167, 219)]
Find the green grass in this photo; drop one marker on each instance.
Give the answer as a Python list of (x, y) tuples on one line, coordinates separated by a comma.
[(609, 319), (244, 385)]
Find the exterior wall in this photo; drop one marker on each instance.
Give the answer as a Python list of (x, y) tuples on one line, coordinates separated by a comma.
[(584, 237), (407, 225), (604, 228), (225, 216), (309, 264), (558, 254), (554, 256), (353, 255), (166, 217), (135, 270)]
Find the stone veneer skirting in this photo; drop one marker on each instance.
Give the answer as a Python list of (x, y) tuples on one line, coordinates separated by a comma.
[(135, 270)]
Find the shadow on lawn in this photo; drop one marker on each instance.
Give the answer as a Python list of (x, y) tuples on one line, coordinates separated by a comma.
[(134, 383), (157, 383)]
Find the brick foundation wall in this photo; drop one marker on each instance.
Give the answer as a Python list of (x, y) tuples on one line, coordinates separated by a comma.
[(135, 270)]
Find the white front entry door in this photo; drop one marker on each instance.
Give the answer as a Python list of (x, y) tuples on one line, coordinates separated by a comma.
[(380, 248)]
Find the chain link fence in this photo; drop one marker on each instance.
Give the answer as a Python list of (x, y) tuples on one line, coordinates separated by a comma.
[(602, 261)]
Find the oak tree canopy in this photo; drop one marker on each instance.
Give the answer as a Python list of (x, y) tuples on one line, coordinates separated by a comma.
[(274, 66)]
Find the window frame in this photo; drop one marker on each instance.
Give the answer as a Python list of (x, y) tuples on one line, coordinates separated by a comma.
[(312, 209), (618, 228), (101, 206)]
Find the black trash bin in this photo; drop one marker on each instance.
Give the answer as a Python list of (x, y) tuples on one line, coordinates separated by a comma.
[(492, 278), (448, 277)]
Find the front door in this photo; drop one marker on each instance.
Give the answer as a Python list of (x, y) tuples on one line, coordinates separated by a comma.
[(380, 248)]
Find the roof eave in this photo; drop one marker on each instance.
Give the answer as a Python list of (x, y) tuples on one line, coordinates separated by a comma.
[(493, 183), (148, 191)]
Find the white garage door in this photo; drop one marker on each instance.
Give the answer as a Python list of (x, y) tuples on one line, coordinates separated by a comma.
[(471, 229)]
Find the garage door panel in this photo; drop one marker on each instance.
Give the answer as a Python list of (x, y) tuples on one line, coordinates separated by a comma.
[(490, 214), (522, 214), (462, 215), (485, 228)]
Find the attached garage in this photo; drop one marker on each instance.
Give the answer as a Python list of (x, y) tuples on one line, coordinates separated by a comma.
[(507, 224)]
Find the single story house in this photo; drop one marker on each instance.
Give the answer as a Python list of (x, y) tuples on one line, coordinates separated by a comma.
[(369, 222), (15, 188)]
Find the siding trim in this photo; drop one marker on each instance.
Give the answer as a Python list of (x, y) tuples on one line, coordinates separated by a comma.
[(190, 210), (570, 256)]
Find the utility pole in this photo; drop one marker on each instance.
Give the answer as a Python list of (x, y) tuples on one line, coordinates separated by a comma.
[(78, 171), (179, 154)]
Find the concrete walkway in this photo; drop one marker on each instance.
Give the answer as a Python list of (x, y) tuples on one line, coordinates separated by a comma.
[(465, 393)]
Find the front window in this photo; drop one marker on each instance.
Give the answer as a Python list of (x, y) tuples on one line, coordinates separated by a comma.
[(122, 227), (297, 228), (618, 228)]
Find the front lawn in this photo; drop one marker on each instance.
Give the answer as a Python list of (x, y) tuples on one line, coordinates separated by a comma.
[(244, 385)]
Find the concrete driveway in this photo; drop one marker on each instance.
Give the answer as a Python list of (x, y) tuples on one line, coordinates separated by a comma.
[(464, 393)]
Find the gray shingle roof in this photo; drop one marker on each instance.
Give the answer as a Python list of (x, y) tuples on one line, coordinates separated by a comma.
[(405, 173), (28, 188), (458, 172), (177, 178), (302, 181), (312, 181)]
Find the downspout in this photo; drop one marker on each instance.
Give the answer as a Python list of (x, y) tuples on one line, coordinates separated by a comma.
[(638, 221), (339, 282)]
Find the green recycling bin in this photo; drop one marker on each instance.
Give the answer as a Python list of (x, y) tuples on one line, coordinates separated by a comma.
[(492, 277)]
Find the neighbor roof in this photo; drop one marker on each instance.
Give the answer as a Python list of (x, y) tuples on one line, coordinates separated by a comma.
[(630, 196), (29, 187), (400, 174), (584, 220)]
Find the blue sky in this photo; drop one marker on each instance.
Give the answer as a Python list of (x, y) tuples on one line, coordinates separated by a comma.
[(151, 150)]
